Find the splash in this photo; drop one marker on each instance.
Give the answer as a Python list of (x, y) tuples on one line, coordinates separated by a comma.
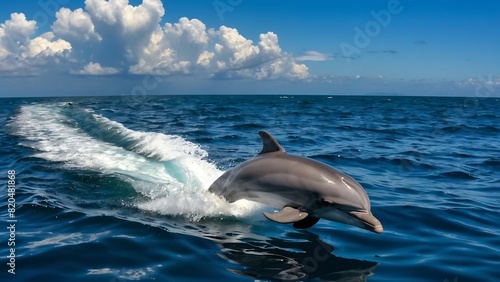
[(171, 172)]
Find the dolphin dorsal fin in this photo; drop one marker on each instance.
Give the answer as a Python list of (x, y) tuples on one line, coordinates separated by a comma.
[(269, 144)]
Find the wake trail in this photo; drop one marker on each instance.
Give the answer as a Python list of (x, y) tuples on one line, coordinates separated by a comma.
[(171, 172)]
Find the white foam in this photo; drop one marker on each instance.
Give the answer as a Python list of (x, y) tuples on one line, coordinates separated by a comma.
[(155, 145), (171, 171)]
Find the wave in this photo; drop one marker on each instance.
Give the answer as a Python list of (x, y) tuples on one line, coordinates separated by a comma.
[(405, 162), (459, 175), (171, 172), (381, 130), (247, 126), (463, 127), (492, 163)]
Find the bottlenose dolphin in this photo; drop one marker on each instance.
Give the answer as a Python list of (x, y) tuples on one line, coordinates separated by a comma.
[(305, 190)]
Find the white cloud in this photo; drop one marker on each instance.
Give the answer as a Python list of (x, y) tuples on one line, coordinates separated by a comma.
[(175, 48), (235, 56), (125, 29), (204, 58), (235, 50), (184, 47), (127, 18), (43, 46), (193, 31), (481, 80), (112, 36), (483, 86), (314, 56), (15, 34), (74, 25), (97, 69), (22, 55)]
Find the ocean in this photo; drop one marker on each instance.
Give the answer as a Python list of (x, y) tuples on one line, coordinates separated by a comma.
[(115, 188)]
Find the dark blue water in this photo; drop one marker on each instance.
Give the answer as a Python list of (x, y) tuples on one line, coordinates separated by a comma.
[(114, 188)]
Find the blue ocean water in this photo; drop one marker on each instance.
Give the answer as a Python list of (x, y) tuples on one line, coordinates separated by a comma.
[(115, 188)]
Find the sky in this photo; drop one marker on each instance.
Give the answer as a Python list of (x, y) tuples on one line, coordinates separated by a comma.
[(323, 47)]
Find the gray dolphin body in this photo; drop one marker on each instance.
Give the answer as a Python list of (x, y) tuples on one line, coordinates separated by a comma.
[(305, 190)]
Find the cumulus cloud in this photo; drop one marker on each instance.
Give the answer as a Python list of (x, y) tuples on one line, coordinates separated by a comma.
[(125, 29), (44, 45), (112, 36), (314, 56), (97, 69), (22, 55), (175, 48), (189, 47), (15, 34), (75, 25), (234, 56)]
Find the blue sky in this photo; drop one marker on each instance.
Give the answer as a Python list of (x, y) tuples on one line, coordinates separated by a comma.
[(119, 47)]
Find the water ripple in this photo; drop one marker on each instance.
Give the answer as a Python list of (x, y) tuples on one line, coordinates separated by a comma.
[(429, 165)]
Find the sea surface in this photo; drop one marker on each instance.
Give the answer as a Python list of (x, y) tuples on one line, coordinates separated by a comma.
[(115, 188)]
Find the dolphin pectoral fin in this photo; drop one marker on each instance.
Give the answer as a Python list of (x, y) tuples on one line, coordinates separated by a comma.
[(287, 215), (306, 222)]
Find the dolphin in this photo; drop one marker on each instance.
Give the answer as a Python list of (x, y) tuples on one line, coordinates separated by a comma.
[(303, 189)]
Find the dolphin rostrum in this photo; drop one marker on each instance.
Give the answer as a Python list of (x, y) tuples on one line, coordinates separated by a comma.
[(305, 190)]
